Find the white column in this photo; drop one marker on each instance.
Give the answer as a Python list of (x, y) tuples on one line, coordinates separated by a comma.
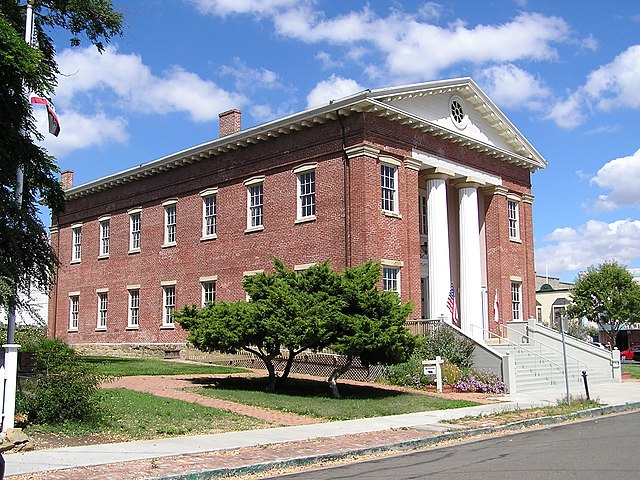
[(470, 272), (438, 246), (9, 383)]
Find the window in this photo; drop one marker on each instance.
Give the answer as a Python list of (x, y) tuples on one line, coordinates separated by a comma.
[(133, 320), (134, 230), (516, 301), (169, 305), (559, 312), (539, 313), (389, 182), (306, 201), (423, 215), (254, 203), (514, 220), (391, 279), (74, 311), (76, 239), (169, 223), (209, 198), (208, 292), (105, 232), (103, 304)]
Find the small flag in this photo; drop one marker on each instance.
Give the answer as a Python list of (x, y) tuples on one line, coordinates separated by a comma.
[(496, 308), (451, 305), (54, 124)]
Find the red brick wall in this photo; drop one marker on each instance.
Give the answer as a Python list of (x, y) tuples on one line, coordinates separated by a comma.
[(372, 236)]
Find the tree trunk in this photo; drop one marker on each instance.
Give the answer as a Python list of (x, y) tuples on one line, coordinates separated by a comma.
[(268, 363), (287, 367), (333, 378)]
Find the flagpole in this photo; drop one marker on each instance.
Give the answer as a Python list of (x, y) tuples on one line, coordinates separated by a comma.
[(11, 349)]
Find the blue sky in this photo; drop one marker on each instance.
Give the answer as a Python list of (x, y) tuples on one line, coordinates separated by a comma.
[(566, 73)]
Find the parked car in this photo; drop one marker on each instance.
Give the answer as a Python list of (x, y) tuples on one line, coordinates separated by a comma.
[(631, 353)]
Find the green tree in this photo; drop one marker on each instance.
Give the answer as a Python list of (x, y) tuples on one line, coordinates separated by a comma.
[(26, 258), (371, 326), (606, 295), (308, 310)]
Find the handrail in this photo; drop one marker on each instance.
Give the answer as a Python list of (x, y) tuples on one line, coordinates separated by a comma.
[(509, 342), (578, 361)]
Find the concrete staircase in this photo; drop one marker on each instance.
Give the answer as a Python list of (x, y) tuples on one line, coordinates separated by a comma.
[(538, 361)]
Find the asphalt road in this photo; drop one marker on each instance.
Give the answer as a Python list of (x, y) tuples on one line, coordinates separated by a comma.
[(605, 448)]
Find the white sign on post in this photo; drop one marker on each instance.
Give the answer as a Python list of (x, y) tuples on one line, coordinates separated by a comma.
[(434, 367)]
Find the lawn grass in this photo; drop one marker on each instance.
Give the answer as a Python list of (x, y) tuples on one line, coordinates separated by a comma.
[(633, 369), (124, 367), (129, 415), (312, 398)]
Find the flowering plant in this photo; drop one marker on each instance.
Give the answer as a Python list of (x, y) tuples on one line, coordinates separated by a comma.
[(480, 381)]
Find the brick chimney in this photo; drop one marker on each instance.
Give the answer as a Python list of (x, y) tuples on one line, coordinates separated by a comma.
[(66, 176), (230, 122)]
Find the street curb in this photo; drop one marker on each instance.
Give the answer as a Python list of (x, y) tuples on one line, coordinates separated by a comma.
[(400, 446)]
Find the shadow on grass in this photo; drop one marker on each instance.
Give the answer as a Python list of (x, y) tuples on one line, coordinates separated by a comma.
[(296, 387)]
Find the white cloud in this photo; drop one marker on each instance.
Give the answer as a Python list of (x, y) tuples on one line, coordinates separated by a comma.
[(590, 244), (411, 48), (620, 176), (256, 7), (136, 88), (78, 131), (614, 85), (326, 60), (332, 89), (247, 78), (510, 86)]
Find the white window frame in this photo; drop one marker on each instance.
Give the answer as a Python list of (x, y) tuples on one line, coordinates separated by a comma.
[(170, 223), (513, 214), (168, 304), (305, 192), (255, 204), (76, 243), (103, 309), (133, 307), (422, 199), (74, 311), (391, 275), (516, 301), (105, 236), (205, 283), (209, 213), (135, 226), (389, 186)]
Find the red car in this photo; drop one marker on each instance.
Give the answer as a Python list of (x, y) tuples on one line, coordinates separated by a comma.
[(628, 354)]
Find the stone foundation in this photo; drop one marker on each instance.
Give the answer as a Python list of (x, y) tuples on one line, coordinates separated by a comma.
[(155, 350)]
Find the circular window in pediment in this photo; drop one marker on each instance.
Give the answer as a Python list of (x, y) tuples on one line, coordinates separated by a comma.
[(456, 110)]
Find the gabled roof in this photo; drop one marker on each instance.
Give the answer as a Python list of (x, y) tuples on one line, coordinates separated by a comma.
[(379, 102)]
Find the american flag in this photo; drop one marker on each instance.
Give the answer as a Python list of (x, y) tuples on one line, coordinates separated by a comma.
[(451, 305)]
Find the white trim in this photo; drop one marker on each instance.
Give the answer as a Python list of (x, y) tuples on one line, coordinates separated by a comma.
[(465, 119), (74, 294), (170, 201), (306, 167), (514, 278), (212, 278), (76, 225), (303, 266), (430, 160), (131, 211), (133, 287), (389, 160), (168, 283), (254, 180), (250, 273), (208, 192), (514, 197), (102, 290), (104, 218), (391, 263)]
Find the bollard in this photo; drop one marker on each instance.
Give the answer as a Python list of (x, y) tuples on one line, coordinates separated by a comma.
[(586, 384)]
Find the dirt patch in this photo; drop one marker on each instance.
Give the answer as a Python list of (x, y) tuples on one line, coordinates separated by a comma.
[(45, 441)]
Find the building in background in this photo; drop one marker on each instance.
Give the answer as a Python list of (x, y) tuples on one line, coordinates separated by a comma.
[(552, 298), (431, 180)]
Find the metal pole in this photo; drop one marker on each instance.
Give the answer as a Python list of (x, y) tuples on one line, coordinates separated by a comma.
[(11, 349), (564, 358)]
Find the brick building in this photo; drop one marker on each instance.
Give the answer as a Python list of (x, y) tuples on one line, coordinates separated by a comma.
[(430, 179)]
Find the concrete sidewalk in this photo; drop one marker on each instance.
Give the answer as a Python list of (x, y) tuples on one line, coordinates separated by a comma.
[(411, 426)]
